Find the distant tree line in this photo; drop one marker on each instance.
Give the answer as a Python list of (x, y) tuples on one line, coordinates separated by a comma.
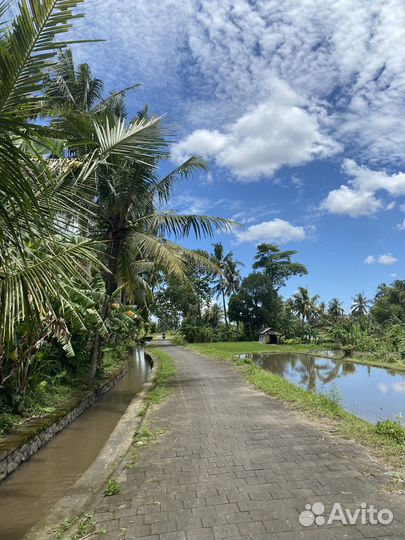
[(220, 305)]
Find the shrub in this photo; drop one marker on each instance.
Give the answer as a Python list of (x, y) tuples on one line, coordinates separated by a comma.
[(178, 340), (392, 429)]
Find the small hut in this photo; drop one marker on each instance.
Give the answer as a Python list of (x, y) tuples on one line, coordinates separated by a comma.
[(268, 336)]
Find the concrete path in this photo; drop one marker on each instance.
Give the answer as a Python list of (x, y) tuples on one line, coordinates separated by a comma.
[(235, 463)]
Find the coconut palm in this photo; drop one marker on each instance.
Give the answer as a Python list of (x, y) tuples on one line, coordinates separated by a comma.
[(360, 305), (305, 305), (335, 309), (228, 280), (232, 274), (37, 255)]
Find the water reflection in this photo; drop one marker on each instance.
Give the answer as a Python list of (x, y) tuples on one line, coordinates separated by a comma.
[(369, 392)]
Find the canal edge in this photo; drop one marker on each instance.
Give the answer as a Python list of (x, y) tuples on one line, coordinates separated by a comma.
[(89, 487), (38, 432)]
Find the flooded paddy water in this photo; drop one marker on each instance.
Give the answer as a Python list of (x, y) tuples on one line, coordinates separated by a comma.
[(372, 393)]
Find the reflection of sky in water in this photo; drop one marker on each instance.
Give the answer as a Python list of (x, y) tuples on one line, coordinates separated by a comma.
[(396, 387), (369, 392)]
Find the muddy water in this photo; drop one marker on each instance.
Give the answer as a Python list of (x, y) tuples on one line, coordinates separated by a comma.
[(29, 493)]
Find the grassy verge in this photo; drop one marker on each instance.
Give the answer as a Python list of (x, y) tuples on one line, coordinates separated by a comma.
[(316, 406), (165, 373), (226, 350)]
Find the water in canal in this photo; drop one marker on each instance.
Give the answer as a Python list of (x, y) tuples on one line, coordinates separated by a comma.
[(29, 493), (368, 392)]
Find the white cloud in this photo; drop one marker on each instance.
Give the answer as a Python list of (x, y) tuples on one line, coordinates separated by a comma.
[(201, 141), (385, 259), (277, 230), (359, 197), (366, 179), (352, 202), (400, 226), (370, 259), (217, 58), (271, 135)]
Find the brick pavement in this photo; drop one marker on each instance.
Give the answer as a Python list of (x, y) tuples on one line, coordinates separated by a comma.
[(234, 463)]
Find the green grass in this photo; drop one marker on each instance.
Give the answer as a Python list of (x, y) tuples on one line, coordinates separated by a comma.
[(146, 435), (84, 526), (315, 406), (164, 374), (112, 487), (226, 350)]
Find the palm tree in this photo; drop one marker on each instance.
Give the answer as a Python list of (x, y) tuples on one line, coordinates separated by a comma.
[(126, 188), (38, 256), (228, 281), (213, 315), (305, 305), (360, 305), (335, 309), (136, 230), (68, 86), (232, 274), (322, 309)]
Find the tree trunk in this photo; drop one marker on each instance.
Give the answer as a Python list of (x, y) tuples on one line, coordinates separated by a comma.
[(223, 302), (110, 287)]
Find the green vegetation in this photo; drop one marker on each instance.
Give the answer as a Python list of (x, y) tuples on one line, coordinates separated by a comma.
[(50, 387), (384, 440), (145, 436), (112, 488), (83, 524), (82, 235), (227, 350), (373, 333), (393, 429), (165, 373)]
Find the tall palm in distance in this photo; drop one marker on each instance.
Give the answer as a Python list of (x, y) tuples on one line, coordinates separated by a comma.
[(335, 308), (228, 280), (360, 305), (305, 305)]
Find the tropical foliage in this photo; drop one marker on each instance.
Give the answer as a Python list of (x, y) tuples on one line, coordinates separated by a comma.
[(83, 231)]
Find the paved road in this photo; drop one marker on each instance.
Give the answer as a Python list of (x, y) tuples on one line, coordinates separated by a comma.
[(235, 463)]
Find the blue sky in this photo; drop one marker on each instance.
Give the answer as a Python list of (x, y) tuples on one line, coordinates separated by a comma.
[(298, 108)]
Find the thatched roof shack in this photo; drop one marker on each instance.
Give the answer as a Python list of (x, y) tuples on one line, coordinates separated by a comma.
[(268, 336)]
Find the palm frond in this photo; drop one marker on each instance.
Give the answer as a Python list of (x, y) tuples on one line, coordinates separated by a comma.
[(137, 141), (27, 287), (28, 50), (163, 189), (181, 225)]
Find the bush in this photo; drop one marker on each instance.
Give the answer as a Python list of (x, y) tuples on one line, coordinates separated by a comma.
[(178, 340), (206, 334), (393, 429)]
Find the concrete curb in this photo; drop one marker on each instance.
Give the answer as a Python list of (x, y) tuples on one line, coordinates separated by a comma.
[(85, 490)]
